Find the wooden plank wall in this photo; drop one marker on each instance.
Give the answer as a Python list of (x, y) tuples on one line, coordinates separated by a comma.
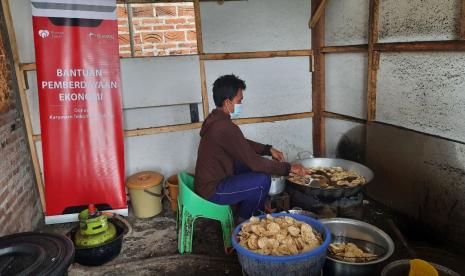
[(316, 53), (374, 49)]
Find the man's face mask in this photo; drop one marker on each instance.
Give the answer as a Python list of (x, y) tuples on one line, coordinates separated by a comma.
[(237, 111)]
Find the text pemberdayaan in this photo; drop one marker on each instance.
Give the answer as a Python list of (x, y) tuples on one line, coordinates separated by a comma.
[(86, 84)]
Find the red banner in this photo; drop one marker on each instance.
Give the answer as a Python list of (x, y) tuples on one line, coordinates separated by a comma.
[(78, 76)]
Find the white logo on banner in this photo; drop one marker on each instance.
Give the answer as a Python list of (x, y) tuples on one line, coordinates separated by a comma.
[(44, 33)]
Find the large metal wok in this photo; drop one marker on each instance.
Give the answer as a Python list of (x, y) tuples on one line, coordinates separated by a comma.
[(332, 162)]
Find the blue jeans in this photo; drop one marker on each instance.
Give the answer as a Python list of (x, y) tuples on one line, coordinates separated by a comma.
[(245, 188)]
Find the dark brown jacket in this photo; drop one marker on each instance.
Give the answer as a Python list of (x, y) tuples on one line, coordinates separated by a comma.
[(221, 144)]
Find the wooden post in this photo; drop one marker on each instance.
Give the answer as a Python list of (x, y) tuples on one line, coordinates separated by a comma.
[(24, 101), (203, 78), (318, 83), (373, 59), (316, 15), (462, 21)]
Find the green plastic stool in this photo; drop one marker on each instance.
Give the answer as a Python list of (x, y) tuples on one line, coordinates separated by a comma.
[(191, 206)]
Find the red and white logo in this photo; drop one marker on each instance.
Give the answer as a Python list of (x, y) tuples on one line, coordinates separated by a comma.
[(44, 33)]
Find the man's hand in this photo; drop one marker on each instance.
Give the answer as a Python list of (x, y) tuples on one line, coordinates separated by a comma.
[(298, 169), (277, 155)]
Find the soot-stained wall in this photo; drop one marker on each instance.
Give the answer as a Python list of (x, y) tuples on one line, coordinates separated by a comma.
[(423, 91), (419, 20), (416, 147), (420, 175)]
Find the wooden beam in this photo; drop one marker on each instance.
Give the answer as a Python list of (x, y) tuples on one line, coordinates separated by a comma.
[(24, 101), (277, 118), (451, 45), (345, 49), (182, 127), (203, 78), (151, 130), (27, 66), (221, 56), (462, 21), (373, 59), (163, 129), (317, 14), (318, 83), (338, 116), (262, 54)]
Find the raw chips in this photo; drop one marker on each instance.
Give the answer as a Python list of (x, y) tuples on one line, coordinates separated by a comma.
[(278, 236)]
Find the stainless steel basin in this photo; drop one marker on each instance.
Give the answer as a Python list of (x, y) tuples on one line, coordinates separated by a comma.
[(361, 231)]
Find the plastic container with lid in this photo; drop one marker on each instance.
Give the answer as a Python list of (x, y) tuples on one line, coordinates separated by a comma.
[(145, 191)]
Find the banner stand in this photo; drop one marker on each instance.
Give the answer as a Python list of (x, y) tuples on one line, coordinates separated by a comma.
[(80, 105)]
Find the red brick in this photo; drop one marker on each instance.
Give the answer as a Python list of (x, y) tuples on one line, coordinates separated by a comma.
[(163, 27), (136, 21), (147, 54), (17, 184), (151, 21), (143, 28), (175, 21), (186, 11), (137, 39), (125, 54), (187, 45), (186, 26), (154, 37), (123, 39), (166, 11), (175, 52), (190, 20), (143, 11), (122, 23), (148, 47), (174, 36), (122, 11), (123, 30), (191, 35), (166, 46)]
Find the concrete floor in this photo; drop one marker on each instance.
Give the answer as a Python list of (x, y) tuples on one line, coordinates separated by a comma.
[(151, 249)]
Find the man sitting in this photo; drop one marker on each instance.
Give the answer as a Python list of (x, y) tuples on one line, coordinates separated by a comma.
[(231, 169)]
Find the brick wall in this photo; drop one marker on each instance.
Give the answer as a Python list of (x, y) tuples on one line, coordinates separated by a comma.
[(20, 208), (159, 29)]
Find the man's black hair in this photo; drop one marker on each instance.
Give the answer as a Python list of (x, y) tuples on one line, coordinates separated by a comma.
[(226, 87)]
